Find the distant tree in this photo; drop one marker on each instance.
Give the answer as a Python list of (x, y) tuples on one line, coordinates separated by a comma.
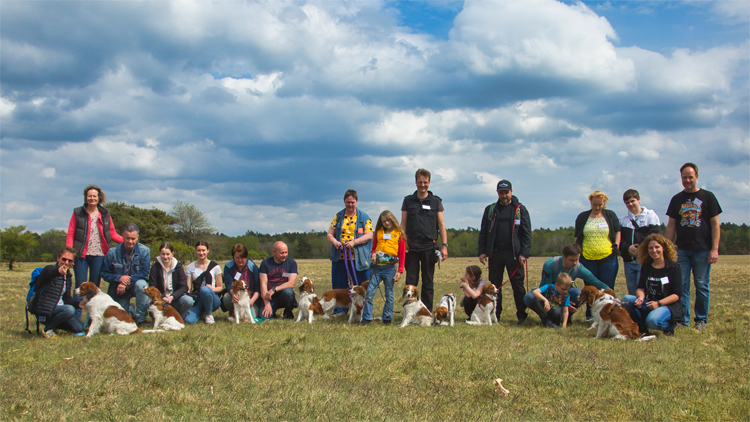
[(47, 257), (49, 243), (15, 245), (154, 224), (190, 223)]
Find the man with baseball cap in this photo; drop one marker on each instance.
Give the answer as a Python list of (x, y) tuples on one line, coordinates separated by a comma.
[(505, 241)]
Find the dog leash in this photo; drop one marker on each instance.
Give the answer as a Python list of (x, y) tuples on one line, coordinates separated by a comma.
[(352, 277)]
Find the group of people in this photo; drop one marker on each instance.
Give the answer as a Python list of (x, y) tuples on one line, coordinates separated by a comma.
[(657, 272)]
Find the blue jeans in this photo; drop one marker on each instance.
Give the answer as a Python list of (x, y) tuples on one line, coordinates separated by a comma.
[(141, 302), (183, 305), (88, 268), (384, 273), (63, 317), (207, 303), (697, 261), (632, 274), (657, 319), (605, 269)]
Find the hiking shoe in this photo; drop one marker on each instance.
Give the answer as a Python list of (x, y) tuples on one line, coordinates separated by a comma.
[(589, 319), (81, 334), (521, 321), (700, 326), (209, 319), (365, 321), (386, 322), (682, 325), (49, 334), (669, 333), (550, 324)]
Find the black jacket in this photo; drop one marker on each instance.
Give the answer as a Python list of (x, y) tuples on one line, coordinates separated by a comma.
[(521, 229), (612, 221), (179, 280), (47, 291)]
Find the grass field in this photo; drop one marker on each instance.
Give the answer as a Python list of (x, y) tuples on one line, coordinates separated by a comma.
[(279, 370)]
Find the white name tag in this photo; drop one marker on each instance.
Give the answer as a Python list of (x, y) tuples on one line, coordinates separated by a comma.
[(285, 275), (238, 275), (426, 207), (665, 280), (603, 225), (386, 236), (518, 222)]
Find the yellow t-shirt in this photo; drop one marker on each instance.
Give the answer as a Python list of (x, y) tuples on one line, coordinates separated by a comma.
[(348, 228), (596, 243)]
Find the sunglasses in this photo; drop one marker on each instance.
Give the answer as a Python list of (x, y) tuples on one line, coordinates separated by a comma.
[(67, 261)]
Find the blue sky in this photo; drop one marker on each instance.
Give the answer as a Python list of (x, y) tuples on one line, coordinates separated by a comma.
[(262, 113)]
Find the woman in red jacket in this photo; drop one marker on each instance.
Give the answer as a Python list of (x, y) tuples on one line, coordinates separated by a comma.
[(90, 232)]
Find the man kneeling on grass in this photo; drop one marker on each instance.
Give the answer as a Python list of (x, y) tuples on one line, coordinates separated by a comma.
[(551, 301)]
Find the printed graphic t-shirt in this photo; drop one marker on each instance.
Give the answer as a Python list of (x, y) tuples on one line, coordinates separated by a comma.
[(693, 213)]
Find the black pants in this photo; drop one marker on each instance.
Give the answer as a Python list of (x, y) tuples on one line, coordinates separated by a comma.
[(504, 260), (555, 313), (425, 260)]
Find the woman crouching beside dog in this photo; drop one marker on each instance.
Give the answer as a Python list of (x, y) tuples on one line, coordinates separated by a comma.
[(169, 277), (205, 284), (473, 286), (657, 304)]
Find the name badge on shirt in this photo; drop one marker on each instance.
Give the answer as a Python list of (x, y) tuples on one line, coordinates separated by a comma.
[(238, 275), (664, 280), (285, 275), (386, 236), (360, 230), (426, 207), (603, 225), (518, 221)]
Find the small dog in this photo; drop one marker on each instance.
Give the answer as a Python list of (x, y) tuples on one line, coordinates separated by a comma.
[(484, 313), (610, 319), (104, 312), (242, 311), (337, 298), (309, 305), (357, 294), (446, 309), (165, 316), (414, 310)]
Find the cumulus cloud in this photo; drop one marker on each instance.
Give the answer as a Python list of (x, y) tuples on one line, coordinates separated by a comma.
[(263, 113)]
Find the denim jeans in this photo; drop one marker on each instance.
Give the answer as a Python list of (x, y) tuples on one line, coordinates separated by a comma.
[(384, 273), (207, 303), (339, 280), (697, 261), (657, 319), (632, 275), (63, 317), (183, 305), (605, 269), (88, 268), (284, 299), (141, 301)]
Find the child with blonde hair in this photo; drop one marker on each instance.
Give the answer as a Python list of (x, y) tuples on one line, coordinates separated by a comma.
[(551, 301), (388, 251)]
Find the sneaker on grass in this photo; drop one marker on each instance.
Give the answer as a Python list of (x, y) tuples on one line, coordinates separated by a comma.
[(700, 326), (49, 334), (209, 319)]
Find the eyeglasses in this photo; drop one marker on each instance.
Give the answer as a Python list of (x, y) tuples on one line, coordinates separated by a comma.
[(67, 261)]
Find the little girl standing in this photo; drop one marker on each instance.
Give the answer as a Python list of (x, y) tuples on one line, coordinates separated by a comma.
[(472, 287), (388, 250)]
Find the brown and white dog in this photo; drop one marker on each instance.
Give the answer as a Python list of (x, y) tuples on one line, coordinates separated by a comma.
[(414, 310), (484, 313), (337, 298), (610, 319), (309, 305), (242, 311), (357, 294), (165, 316), (445, 310), (105, 314)]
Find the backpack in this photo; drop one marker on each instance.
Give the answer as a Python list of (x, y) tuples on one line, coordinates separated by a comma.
[(31, 299)]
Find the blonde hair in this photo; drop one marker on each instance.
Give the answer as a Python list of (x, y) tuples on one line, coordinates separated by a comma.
[(564, 280), (599, 194), (670, 253), (394, 223)]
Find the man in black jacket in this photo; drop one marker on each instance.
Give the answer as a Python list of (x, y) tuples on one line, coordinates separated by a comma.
[(53, 304), (505, 241)]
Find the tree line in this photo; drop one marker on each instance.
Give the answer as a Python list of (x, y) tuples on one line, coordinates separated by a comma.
[(185, 224)]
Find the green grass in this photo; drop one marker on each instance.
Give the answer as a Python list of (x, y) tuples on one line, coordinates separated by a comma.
[(279, 370)]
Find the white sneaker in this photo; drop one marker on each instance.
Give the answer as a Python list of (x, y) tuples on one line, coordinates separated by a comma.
[(49, 334), (209, 319)]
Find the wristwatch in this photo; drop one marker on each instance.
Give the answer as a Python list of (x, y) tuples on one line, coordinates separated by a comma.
[(445, 244)]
